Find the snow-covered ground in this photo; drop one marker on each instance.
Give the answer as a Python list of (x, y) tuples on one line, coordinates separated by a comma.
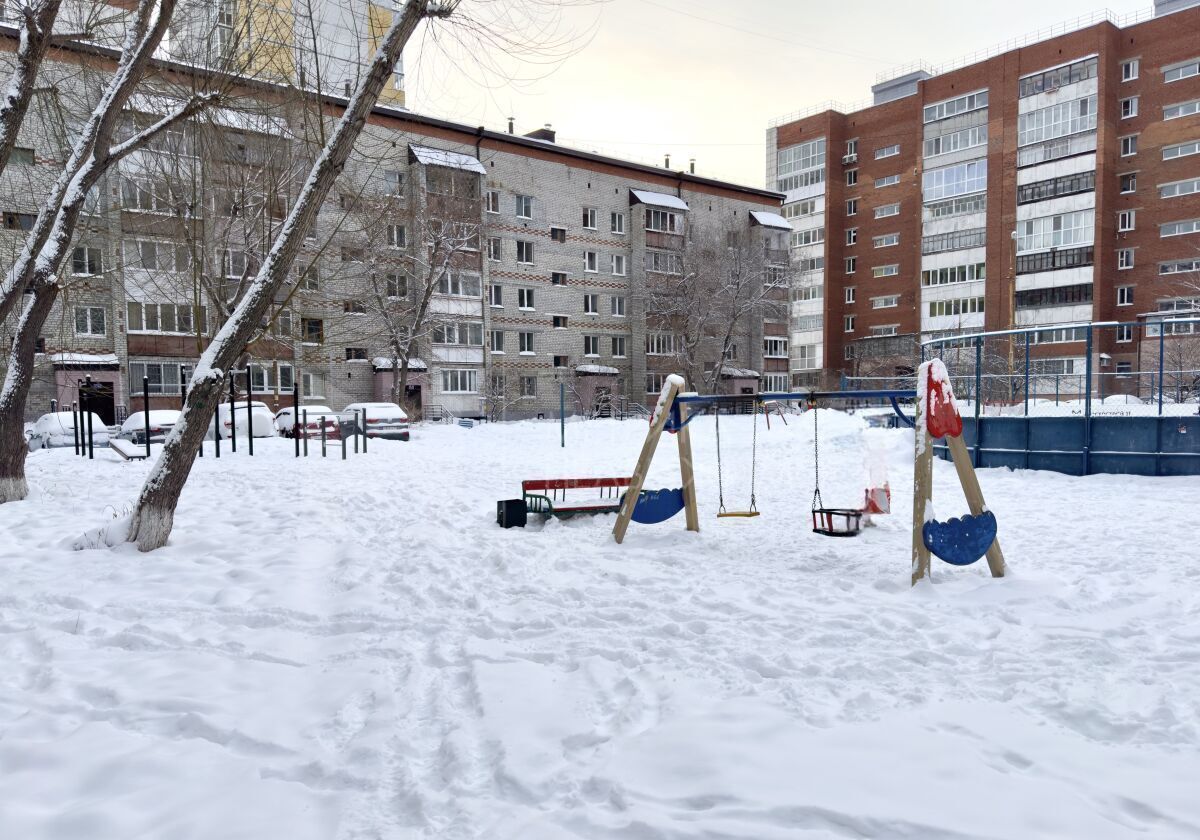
[(340, 650)]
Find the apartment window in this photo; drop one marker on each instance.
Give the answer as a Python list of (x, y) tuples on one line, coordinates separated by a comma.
[(1124, 367), (397, 236), (558, 278), (19, 221), (775, 348), (85, 262), (851, 236), (591, 345), (849, 290), (662, 221), (618, 265), (887, 151), (851, 207), (460, 381), (617, 222), (1181, 71), (281, 327), (655, 382), (310, 280), (495, 248), (617, 306), (806, 356), (886, 270), (1061, 231), (1181, 150), (458, 284), (312, 384), (1124, 333), (801, 208), (887, 181), (1129, 183), (525, 299), (660, 344), (954, 274), (967, 138), (1126, 220), (561, 361), (591, 304), (354, 307), (1129, 107), (886, 210), (526, 342), (491, 201), (396, 285), (558, 234), (529, 386), (496, 296), (170, 317), (1058, 120), (885, 302), (162, 378), (469, 334), (525, 251), (589, 218), (852, 148), (1129, 69), (886, 241), (848, 323), (1129, 145), (353, 354), (957, 240), (663, 262), (958, 105), (957, 306), (956, 180), (349, 255), (89, 320), (851, 264), (808, 236), (1124, 258), (1179, 267), (851, 177), (1188, 187), (21, 156), (591, 261), (312, 330), (1179, 228), (559, 322), (524, 206), (618, 346), (1124, 295)]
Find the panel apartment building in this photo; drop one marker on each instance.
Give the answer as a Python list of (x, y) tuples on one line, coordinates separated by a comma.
[(1046, 186), (558, 276)]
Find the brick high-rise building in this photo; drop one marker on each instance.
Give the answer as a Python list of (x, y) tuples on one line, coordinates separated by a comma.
[(1047, 185)]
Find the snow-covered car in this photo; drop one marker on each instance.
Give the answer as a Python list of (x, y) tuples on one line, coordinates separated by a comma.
[(58, 429), (384, 420), (239, 420), (162, 420), (310, 419)]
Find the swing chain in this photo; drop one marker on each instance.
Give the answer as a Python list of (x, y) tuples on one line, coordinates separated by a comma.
[(817, 503), (720, 480), (754, 457)]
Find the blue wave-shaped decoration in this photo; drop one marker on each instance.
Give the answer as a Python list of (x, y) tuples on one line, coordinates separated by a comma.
[(654, 506), (961, 541)]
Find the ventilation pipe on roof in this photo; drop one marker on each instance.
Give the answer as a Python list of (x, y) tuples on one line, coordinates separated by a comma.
[(667, 161), (691, 166), (510, 125)]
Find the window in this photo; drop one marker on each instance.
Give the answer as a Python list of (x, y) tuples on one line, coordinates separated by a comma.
[(526, 342), (617, 222), (851, 177), (617, 306), (460, 381), (353, 255), (663, 262), (89, 320), (808, 236), (173, 318), (618, 265), (662, 221), (355, 354), (354, 307), (660, 344), (775, 348), (525, 251), (806, 357), (1129, 69), (1124, 295), (591, 345), (886, 241), (1059, 336), (655, 382), (1059, 120), (958, 240), (957, 306), (591, 304), (1181, 71), (1181, 150), (848, 323), (851, 264), (464, 334), (851, 210), (801, 208), (1062, 231), (951, 181), (591, 261), (887, 151), (1124, 258), (312, 330), (618, 346), (1129, 107), (886, 210), (887, 181), (559, 322), (1124, 333), (458, 284), (21, 156), (851, 236), (852, 148), (1126, 220), (524, 206), (774, 383), (495, 248), (1129, 183), (561, 361), (19, 221), (967, 138), (163, 378), (281, 327), (312, 384), (1188, 187), (959, 105), (529, 386), (496, 296), (1179, 267), (885, 302), (1129, 145), (1054, 296), (397, 236), (558, 234), (1179, 228), (954, 274), (589, 218), (85, 262), (525, 298), (558, 278), (886, 270), (849, 297), (491, 201), (801, 165), (976, 203), (393, 182), (310, 280), (149, 255)]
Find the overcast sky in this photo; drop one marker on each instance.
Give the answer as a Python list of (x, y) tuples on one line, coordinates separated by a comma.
[(702, 78)]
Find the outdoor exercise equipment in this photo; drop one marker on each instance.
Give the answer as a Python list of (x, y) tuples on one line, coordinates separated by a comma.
[(962, 540), (830, 522), (548, 497), (722, 513)]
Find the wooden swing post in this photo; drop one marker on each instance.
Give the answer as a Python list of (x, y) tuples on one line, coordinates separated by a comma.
[(922, 495), (970, 485)]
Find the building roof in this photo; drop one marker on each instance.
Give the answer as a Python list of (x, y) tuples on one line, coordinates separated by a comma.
[(440, 157), (655, 199), (597, 370), (75, 360), (384, 363), (771, 220), (738, 373)]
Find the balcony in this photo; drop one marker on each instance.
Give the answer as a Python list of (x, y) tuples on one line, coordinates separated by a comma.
[(1056, 260)]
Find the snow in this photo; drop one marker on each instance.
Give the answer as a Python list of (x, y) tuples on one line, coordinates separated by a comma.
[(655, 199), (597, 369), (728, 372), (364, 653), (771, 220), (84, 359), (441, 157), (384, 363)]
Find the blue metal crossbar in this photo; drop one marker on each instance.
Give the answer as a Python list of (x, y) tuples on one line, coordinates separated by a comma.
[(675, 422)]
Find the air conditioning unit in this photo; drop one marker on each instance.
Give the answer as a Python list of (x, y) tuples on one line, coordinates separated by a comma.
[(850, 158)]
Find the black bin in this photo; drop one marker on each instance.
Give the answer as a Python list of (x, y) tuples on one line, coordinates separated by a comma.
[(511, 513)]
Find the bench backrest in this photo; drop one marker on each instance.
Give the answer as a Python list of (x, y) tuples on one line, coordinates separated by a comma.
[(537, 484)]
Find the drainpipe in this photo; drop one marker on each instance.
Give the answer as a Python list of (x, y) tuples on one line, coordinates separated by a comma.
[(478, 140)]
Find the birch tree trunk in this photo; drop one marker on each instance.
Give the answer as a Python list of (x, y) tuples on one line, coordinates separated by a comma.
[(154, 514)]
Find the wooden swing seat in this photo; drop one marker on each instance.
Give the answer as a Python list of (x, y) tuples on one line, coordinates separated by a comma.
[(737, 513)]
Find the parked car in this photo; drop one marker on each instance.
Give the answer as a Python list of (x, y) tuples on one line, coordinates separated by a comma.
[(384, 420), (285, 421), (264, 421), (162, 420), (58, 429)]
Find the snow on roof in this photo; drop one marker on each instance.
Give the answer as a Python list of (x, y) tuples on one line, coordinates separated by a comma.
[(738, 373), (384, 363), (659, 200), (597, 369), (771, 220), (159, 105), (441, 157), (84, 359)]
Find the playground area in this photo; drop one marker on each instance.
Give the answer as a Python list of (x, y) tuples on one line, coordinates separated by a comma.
[(357, 650)]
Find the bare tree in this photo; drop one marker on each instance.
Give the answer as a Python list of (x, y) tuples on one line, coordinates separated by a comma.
[(33, 39)]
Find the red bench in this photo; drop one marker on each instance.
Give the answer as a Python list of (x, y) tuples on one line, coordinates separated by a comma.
[(548, 496)]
